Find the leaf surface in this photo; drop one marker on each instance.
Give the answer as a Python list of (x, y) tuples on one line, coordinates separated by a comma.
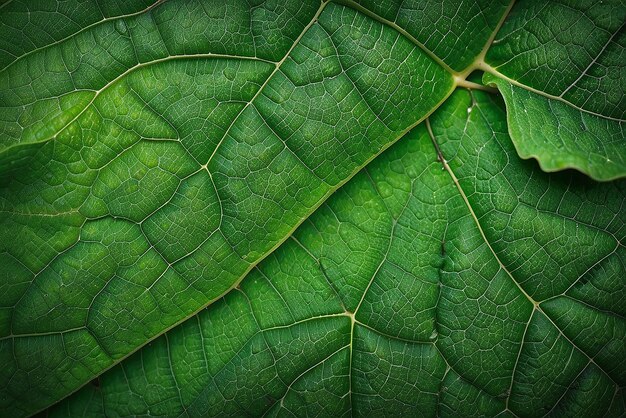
[(561, 70), (153, 153), (411, 289), (150, 171)]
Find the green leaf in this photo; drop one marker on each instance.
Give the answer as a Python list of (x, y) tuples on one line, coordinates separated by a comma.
[(561, 71), (152, 154), (560, 137), (164, 164), (411, 289)]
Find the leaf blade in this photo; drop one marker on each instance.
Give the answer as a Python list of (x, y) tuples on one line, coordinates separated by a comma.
[(560, 68), (493, 336)]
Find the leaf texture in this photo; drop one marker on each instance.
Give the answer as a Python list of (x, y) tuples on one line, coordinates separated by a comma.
[(153, 154), (561, 69), (410, 289)]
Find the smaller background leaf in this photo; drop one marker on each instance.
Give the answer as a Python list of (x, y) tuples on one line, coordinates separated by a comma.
[(560, 136)]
